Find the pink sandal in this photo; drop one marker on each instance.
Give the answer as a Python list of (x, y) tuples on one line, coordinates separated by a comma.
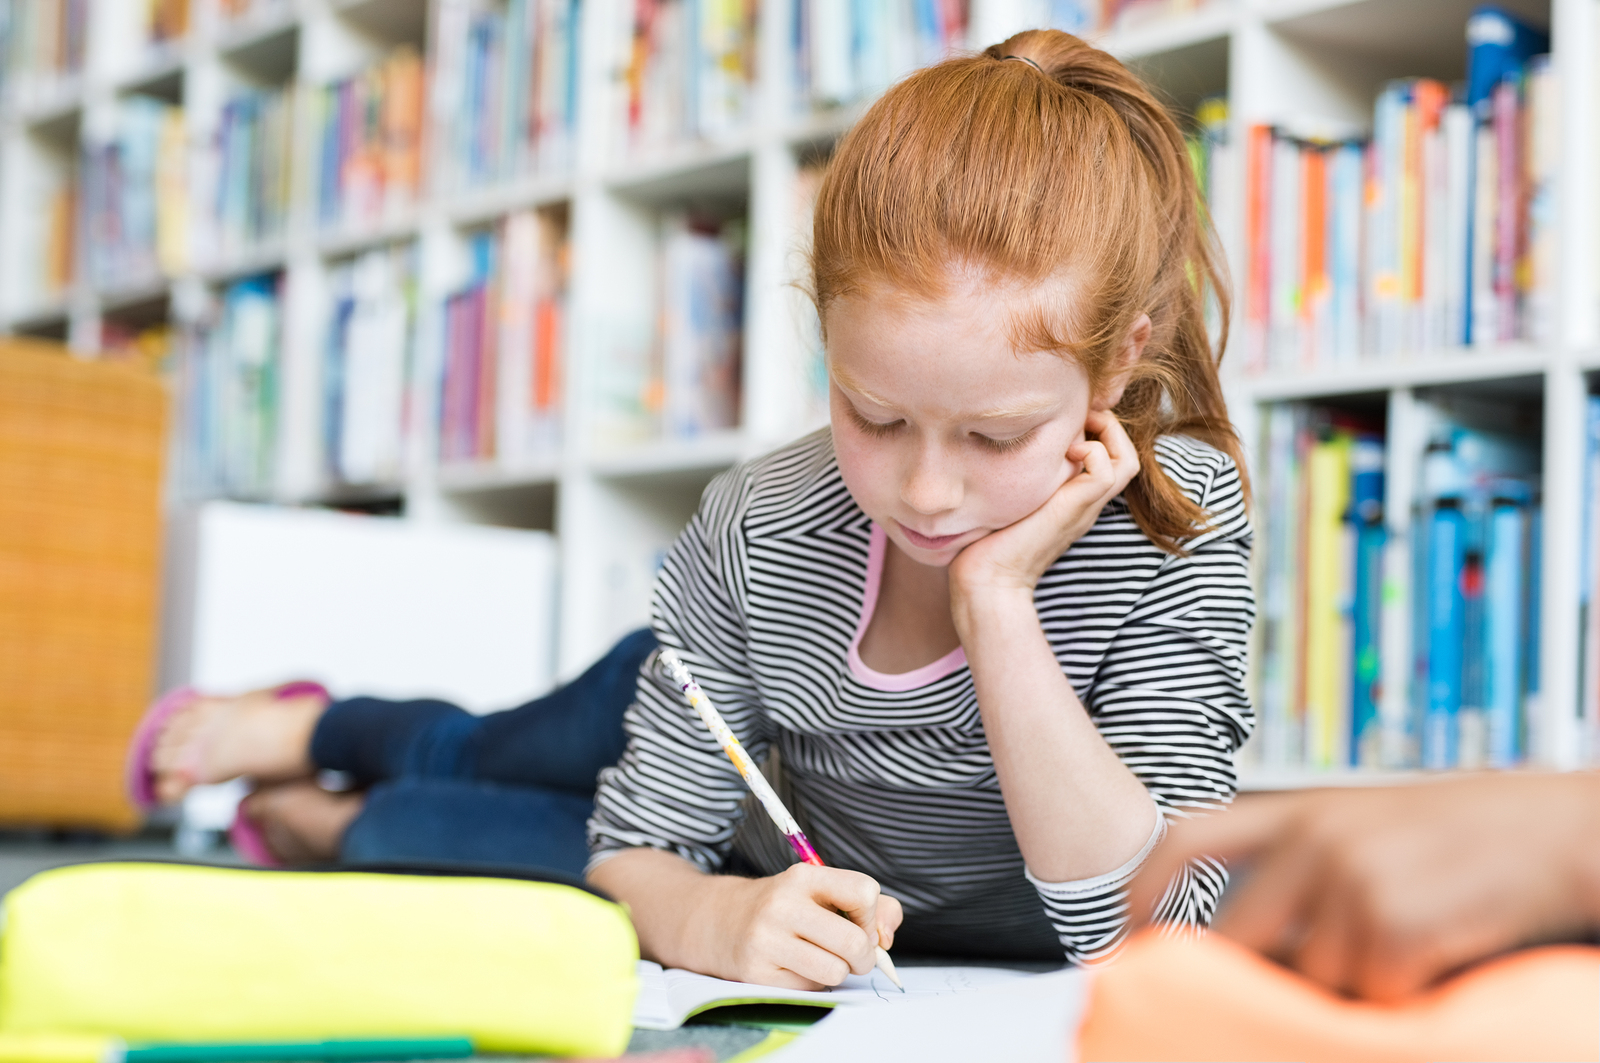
[(243, 835)]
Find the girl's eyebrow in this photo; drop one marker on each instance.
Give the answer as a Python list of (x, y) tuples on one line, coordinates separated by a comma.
[(1025, 408)]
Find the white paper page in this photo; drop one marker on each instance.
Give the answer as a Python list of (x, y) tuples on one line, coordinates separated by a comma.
[(667, 997), (1034, 1019)]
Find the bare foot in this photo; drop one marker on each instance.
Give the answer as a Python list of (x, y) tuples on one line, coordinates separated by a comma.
[(300, 821), (212, 740)]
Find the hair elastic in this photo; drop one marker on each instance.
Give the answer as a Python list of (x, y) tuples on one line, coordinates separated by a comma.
[(1024, 59)]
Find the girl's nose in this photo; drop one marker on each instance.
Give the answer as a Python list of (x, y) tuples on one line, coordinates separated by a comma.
[(932, 484)]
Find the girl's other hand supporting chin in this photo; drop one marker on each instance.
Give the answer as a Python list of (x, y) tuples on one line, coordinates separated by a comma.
[(1015, 557)]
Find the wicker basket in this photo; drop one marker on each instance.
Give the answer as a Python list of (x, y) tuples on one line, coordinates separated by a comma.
[(81, 447)]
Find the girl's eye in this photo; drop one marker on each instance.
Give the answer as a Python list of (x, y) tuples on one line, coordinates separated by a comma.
[(873, 428), (1000, 446)]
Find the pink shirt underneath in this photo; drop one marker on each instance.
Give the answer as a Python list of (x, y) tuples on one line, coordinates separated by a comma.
[(900, 681)]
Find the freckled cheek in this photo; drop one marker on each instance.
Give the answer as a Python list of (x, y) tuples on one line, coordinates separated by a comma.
[(869, 471), (1012, 490)]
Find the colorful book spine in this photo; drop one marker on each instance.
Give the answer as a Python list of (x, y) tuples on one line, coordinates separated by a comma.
[(505, 345), (1506, 568), (134, 203), (251, 170), (369, 133), (230, 389), (1367, 575), (1446, 238), (503, 99), (1327, 581), (845, 50), (702, 325), (1447, 629), (367, 371), (690, 71)]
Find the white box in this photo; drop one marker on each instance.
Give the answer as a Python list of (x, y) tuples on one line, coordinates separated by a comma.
[(259, 595)]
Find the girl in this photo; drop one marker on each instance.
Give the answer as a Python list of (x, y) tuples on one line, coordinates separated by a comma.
[(993, 624)]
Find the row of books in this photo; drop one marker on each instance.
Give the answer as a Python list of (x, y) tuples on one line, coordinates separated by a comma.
[(504, 344), (689, 70), (505, 88), (368, 131), (230, 378), (1336, 579), (248, 170), (1438, 232), (42, 39), (368, 368), (1089, 17), (846, 50), (134, 198)]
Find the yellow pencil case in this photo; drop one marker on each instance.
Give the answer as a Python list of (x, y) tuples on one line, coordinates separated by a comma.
[(184, 953)]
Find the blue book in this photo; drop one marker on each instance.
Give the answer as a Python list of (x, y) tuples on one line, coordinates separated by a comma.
[(1498, 45), (1366, 515), (1446, 615), (1504, 620)]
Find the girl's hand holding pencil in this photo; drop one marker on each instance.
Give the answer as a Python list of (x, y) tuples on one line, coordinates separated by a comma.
[(812, 922)]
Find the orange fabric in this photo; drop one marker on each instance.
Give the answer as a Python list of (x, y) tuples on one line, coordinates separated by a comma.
[(1208, 999)]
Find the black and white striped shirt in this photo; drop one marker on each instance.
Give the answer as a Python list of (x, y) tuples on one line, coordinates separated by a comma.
[(766, 595)]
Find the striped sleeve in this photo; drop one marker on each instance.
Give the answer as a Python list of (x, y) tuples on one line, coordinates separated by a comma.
[(1169, 698), (674, 789)]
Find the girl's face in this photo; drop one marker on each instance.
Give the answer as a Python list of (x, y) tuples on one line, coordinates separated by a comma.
[(944, 433)]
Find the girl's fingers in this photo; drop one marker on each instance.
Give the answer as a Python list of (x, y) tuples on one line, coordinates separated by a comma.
[(890, 915), (809, 967), (839, 937)]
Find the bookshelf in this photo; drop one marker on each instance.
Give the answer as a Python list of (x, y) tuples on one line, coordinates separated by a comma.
[(737, 162)]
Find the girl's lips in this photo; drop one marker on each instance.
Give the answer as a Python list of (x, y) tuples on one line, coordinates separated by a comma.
[(929, 542)]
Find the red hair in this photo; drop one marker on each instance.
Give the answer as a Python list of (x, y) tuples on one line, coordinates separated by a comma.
[(1062, 168)]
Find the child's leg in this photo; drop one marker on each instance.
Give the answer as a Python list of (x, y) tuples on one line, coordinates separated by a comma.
[(562, 740), (452, 821)]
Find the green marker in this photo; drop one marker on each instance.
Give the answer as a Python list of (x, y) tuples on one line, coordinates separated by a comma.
[(340, 1051)]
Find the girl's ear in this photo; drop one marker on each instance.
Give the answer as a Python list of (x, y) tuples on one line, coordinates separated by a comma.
[(1121, 370)]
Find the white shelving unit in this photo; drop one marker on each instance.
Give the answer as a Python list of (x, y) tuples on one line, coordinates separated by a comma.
[(615, 507)]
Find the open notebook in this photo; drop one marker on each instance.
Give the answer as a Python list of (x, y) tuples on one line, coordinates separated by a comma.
[(669, 997)]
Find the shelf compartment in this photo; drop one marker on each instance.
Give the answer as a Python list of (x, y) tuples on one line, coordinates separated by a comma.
[(711, 451), (1445, 367), (482, 476), (1392, 38), (481, 205), (341, 243), (1211, 24), (701, 171)]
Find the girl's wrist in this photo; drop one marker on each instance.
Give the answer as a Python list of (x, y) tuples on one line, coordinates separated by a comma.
[(990, 607)]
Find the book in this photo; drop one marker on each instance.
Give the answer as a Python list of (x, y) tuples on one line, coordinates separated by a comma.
[(689, 71), (229, 393), (368, 128), (669, 997), (505, 344), (503, 95), (702, 325), (1445, 237), (247, 169), (367, 373), (134, 200), (847, 50)]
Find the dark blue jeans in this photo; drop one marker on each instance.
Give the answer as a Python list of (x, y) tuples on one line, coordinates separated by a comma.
[(512, 788)]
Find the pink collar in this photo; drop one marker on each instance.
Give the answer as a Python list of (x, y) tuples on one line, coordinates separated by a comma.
[(901, 681)]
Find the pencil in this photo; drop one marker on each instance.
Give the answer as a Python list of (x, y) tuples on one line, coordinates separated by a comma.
[(757, 782)]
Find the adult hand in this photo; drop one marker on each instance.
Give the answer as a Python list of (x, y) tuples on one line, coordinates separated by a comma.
[(1014, 557), (805, 928), (1380, 892)]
